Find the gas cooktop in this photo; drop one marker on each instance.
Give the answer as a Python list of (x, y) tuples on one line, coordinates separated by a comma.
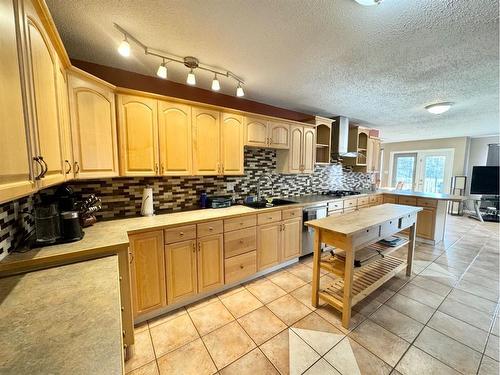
[(341, 193)]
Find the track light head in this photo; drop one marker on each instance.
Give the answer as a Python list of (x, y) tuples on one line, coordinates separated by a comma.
[(124, 47), (239, 90), (162, 70), (215, 83), (191, 78)]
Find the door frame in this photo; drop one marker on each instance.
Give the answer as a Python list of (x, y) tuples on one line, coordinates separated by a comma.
[(418, 167)]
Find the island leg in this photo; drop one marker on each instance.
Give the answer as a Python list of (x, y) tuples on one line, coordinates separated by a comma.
[(411, 248), (316, 267), (347, 302)]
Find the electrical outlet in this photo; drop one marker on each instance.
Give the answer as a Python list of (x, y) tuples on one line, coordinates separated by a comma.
[(16, 210)]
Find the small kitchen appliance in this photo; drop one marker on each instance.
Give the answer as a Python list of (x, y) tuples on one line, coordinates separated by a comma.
[(47, 224), (220, 201), (71, 230)]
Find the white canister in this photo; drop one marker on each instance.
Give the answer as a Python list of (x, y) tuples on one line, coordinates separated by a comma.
[(147, 202)]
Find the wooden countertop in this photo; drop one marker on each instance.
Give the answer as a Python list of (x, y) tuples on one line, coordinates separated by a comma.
[(357, 221), (74, 331)]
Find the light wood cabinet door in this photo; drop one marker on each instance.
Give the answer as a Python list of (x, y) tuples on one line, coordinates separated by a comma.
[(309, 150), (138, 135), (426, 223), (15, 165), (175, 139), (93, 128), (291, 239), (64, 121), (268, 245), (295, 153), (42, 76), (180, 265), (210, 262), (232, 158), (256, 132), (148, 271), (375, 154), (206, 141), (279, 135)]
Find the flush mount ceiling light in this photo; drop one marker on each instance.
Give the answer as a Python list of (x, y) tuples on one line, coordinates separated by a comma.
[(368, 2), (438, 108), (189, 62)]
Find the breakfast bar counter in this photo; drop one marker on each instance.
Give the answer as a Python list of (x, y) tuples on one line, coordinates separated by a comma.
[(353, 232)]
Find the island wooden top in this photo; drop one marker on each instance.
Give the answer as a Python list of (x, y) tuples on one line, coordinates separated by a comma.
[(357, 221), (418, 194)]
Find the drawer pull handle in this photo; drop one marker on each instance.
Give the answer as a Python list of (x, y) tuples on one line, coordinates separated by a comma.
[(210, 228), (270, 217), (181, 234), (241, 241), (241, 266)]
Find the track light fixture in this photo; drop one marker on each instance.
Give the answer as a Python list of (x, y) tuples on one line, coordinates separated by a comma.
[(239, 90), (162, 70), (124, 47), (189, 62), (215, 83)]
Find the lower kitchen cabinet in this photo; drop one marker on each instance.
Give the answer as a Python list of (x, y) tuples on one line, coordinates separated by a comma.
[(210, 262), (291, 238), (180, 265), (148, 271), (426, 223), (268, 245), (240, 266)]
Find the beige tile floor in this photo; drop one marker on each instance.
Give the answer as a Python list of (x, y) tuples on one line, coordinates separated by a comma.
[(442, 320)]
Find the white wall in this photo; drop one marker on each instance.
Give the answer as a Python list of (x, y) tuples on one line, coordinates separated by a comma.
[(459, 144), (477, 154)]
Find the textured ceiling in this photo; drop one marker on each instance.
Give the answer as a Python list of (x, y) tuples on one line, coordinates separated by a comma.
[(379, 65)]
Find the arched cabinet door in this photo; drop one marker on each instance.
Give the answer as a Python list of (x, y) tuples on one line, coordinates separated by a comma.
[(256, 132), (138, 134), (16, 178), (309, 150), (279, 135), (206, 142), (42, 77), (175, 139), (93, 127), (232, 144), (295, 153)]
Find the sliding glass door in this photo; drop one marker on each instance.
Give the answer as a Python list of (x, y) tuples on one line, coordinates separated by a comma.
[(403, 172)]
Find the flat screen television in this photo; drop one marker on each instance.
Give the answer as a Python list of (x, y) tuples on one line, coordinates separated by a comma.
[(484, 180)]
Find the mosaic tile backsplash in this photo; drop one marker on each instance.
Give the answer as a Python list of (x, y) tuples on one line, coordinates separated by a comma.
[(121, 197)]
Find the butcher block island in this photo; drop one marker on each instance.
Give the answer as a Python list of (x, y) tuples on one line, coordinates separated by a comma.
[(361, 231)]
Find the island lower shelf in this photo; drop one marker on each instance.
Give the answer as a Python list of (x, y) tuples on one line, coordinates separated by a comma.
[(365, 280)]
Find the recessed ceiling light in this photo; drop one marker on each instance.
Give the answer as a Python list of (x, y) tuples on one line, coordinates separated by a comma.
[(438, 108), (368, 2)]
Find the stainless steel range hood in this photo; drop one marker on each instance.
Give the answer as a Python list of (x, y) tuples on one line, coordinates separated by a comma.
[(340, 139)]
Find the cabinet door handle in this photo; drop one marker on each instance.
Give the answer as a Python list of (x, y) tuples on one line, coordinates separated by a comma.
[(194, 247), (46, 167), (270, 141), (162, 169), (157, 169), (199, 246), (69, 166), (77, 167), (38, 176), (131, 257)]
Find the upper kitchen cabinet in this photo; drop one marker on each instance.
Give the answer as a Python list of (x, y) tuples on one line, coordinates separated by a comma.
[(138, 135), (358, 142), (279, 135), (232, 152), (64, 121), (269, 134), (300, 157), (373, 155), (42, 66), (206, 141), (16, 177), (175, 139), (93, 125)]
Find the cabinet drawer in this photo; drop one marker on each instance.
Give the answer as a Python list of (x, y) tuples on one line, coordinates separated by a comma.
[(407, 220), (373, 198), (380, 199), (240, 266), (292, 213), (389, 227), (409, 201), (350, 203), (335, 212), (240, 222), (363, 201), (186, 232), (337, 205), (423, 202), (387, 198), (240, 241), (269, 217), (211, 227), (366, 235)]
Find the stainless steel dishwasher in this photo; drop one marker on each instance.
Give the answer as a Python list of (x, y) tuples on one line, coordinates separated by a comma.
[(312, 212)]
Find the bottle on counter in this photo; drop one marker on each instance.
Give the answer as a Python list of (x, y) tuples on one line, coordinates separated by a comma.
[(203, 200)]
